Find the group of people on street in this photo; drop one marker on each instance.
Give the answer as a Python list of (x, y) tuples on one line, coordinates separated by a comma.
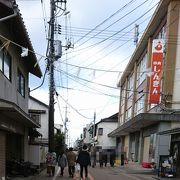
[(103, 159), (69, 159)]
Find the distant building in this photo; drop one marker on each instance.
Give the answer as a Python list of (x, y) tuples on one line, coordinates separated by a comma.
[(101, 143), (103, 128)]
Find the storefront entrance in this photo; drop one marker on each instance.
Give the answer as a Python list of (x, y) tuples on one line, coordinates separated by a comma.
[(175, 152)]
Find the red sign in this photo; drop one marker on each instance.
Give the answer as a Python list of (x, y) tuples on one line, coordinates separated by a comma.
[(156, 71)]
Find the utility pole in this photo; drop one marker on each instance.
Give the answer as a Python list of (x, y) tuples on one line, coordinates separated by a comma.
[(94, 129), (53, 56), (65, 126), (51, 76)]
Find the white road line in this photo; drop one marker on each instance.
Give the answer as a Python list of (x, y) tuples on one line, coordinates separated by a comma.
[(57, 172)]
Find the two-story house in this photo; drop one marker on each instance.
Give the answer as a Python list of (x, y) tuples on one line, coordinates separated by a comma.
[(38, 141), (149, 90), (14, 79), (103, 143)]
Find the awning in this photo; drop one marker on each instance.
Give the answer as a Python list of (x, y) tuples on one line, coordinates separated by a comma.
[(34, 133), (143, 120), (11, 111), (170, 131)]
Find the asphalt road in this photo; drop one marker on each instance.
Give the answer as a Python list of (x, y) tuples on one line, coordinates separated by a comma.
[(97, 173)]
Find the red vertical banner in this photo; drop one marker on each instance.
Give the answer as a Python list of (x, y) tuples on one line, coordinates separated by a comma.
[(156, 71)]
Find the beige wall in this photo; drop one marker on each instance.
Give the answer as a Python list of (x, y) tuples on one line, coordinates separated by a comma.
[(146, 149), (176, 88), (171, 50), (126, 145)]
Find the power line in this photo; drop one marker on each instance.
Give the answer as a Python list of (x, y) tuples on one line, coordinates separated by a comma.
[(111, 95), (74, 108), (127, 26), (126, 5), (85, 85), (87, 80), (117, 21)]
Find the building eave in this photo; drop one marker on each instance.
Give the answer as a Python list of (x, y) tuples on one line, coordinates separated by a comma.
[(143, 120), (111, 119), (21, 37), (13, 112), (170, 131), (156, 19), (39, 102)]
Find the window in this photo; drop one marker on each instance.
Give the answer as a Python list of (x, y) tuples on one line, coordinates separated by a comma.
[(141, 75), (36, 117), (21, 84), (122, 119), (130, 85), (123, 95), (139, 105), (5, 63), (100, 131), (128, 114), (162, 33)]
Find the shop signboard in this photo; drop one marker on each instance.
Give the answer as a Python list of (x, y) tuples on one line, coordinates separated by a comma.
[(156, 71)]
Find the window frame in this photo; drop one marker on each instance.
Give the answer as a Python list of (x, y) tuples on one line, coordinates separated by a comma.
[(20, 83), (36, 117), (141, 70), (100, 131), (139, 105), (5, 63)]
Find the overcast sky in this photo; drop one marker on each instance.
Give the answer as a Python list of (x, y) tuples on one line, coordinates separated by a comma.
[(102, 36)]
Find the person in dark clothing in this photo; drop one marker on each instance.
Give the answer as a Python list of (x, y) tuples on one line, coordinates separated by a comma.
[(84, 160), (105, 159), (112, 159), (101, 159)]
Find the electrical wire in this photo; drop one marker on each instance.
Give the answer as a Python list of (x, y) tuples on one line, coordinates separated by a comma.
[(44, 18), (59, 108), (111, 95), (86, 85), (42, 80), (76, 77), (130, 24), (74, 108), (116, 21), (126, 5)]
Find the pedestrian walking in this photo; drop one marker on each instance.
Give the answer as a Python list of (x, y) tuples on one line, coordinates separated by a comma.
[(112, 159), (105, 159), (71, 158), (51, 163), (84, 160), (101, 159), (62, 162)]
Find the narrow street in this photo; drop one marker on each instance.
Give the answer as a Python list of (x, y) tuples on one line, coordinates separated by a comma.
[(97, 173)]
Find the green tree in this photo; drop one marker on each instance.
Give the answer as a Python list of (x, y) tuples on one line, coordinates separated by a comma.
[(59, 142)]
